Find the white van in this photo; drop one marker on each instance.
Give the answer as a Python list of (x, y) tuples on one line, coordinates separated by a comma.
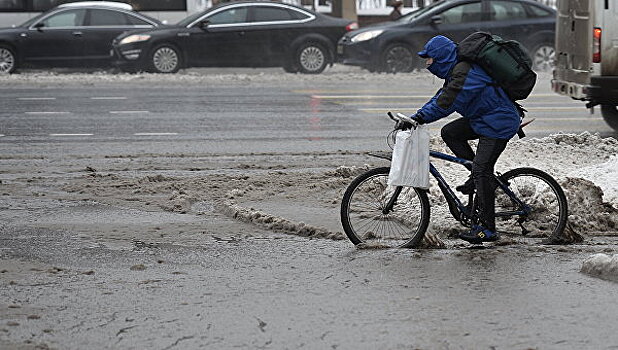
[(586, 63)]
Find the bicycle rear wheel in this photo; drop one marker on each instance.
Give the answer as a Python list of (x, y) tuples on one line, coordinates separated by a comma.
[(545, 209), (364, 219)]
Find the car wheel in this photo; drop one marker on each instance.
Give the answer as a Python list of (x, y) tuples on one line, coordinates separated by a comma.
[(610, 114), (311, 58), (165, 59), (398, 58), (543, 57), (8, 61)]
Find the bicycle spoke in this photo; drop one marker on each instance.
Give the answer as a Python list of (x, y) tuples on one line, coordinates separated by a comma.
[(367, 221), (544, 212)]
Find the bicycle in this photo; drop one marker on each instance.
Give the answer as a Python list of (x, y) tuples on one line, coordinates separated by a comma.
[(527, 199)]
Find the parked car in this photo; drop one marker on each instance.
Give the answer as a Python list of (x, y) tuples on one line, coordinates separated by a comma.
[(392, 46), (237, 34), (71, 35)]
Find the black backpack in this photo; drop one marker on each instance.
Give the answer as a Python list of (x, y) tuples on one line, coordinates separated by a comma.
[(505, 61)]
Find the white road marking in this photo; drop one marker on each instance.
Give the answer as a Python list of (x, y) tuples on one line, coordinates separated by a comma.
[(2, 135), (35, 98), (71, 134), (43, 112), (129, 112), (108, 98), (155, 134)]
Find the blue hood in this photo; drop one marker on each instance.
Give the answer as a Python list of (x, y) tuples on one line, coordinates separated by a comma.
[(444, 53)]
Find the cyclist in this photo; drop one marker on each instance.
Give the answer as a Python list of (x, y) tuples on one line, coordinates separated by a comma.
[(488, 115)]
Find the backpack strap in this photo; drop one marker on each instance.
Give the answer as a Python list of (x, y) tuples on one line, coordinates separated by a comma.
[(522, 114)]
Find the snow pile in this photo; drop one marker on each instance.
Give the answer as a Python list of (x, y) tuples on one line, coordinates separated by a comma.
[(603, 175), (202, 76), (273, 222), (602, 265), (280, 193), (585, 165), (560, 154), (587, 211)]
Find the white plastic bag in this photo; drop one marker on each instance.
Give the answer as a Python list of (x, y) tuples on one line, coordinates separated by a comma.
[(410, 162)]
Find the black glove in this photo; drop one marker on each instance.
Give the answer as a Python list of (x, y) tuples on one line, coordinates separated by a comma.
[(403, 126)]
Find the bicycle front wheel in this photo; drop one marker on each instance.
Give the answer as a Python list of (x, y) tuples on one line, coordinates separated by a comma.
[(542, 208), (366, 220)]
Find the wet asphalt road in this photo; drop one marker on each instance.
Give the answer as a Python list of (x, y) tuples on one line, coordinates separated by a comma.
[(62, 286), (285, 292), (234, 116)]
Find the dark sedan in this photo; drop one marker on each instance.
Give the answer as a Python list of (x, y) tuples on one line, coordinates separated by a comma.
[(238, 34), (392, 47), (69, 35)]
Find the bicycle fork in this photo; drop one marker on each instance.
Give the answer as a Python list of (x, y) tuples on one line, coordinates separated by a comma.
[(391, 202)]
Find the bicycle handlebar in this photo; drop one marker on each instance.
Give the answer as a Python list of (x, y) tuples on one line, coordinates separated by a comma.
[(402, 118)]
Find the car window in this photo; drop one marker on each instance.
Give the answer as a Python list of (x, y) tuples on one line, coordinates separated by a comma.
[(134, 20), (506, 10), (271, 14), (539, 12), (297, 14), (420, 11), (229, 16), (69, 18), (102, 17), (462, 14)]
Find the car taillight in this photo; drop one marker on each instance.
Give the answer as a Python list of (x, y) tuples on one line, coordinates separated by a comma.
[(596, 45), (351, 26)]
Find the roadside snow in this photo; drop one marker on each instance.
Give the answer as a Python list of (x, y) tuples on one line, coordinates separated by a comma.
[(604, 175), (602, 265), (204, 75), (285, 197)]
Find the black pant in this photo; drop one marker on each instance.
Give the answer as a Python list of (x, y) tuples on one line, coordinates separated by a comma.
[(456, 135)]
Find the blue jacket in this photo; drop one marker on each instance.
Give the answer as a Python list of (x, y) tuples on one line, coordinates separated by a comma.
[(469, 91)]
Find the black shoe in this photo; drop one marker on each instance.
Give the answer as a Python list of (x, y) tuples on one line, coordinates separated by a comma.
[(467, 187), (479, 234)]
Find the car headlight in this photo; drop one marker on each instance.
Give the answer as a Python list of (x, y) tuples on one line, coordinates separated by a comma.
[(368, 35), (134, 39)]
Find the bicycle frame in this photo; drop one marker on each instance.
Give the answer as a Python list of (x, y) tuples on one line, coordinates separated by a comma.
[(452, 198), (458, 209), (448, 193)]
